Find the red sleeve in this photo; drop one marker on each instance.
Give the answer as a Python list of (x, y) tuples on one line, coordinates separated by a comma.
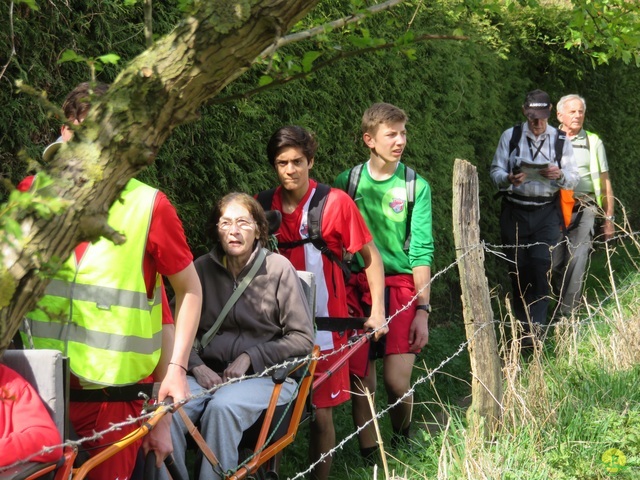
[(25, 425), (345, 218), (167, 244), (167, 250)]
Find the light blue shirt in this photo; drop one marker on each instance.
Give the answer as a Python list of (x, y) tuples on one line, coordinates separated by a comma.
[(537, 150)]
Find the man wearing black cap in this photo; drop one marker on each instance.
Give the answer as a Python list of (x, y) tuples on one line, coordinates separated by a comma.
[(531, 164)]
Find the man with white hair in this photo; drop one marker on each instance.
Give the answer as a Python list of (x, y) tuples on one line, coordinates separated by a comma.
[(593, 197)]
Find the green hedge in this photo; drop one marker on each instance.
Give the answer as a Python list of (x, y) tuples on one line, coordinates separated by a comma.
[(460, 96)]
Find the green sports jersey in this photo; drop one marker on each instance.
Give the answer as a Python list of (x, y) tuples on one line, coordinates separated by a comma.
[(383, 205)]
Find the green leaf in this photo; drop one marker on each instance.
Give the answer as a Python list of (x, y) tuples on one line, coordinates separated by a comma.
[(308, 59), (360, 42), (264, 80), (111, 58), (184, 5), (70, 56), (410, 53), (41, 181), (12, 228), (29, 3), (130, 3)]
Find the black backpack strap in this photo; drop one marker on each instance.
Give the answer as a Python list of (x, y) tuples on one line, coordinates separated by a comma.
[(410, 183), (314, 222), (354, 180), (514, 142), (316, 210), (514, 145), (560, 138), (265, 199)]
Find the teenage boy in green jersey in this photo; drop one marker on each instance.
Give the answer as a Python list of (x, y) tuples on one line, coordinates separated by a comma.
[(381, 197)]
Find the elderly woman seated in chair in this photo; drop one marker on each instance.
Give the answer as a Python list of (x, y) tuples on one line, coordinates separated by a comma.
[(240, 334)]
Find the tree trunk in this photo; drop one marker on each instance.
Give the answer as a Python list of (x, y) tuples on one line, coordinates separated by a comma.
[(159, 90), (486, 387)]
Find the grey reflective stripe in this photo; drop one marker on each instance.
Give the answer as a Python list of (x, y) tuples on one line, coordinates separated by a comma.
[(93, 339), (103, 297)]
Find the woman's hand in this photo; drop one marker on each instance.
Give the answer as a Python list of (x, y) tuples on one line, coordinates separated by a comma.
[(206, 377), (238, 367)]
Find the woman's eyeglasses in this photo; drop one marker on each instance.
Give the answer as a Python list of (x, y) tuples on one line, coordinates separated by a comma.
[(225, 224)]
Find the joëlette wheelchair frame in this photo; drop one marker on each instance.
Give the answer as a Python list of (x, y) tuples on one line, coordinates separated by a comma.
[(266, 450)]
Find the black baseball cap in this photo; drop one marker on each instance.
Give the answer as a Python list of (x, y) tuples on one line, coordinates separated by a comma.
[(537, 104)]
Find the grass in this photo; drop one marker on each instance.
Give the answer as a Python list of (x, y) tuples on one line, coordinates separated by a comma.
[(566, 406)]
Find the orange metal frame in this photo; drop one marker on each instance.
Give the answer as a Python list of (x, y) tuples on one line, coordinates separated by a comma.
[(265, 454), (144, 429)]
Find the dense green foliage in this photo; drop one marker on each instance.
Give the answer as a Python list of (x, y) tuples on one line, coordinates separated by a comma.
[(460, 95)]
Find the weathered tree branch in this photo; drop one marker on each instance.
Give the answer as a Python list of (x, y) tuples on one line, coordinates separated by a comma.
[(341, 56), (339, 23), (159, 90), (13, 41), (148, 23)]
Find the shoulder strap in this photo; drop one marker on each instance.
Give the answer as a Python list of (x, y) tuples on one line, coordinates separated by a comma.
[(314, 221), (206, 338), (265, 198), (354, 180), (410, 183), (514, 142), (560, 138), (316, 210)]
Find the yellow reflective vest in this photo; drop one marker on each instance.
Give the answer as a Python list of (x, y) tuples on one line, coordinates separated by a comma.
[(97, 312), (594, 165)]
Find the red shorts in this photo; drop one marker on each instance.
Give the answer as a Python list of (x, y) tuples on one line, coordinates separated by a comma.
[(399, 291), (90, 417), (335, 389)]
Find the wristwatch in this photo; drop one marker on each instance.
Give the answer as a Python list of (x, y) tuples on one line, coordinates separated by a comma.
[(426, 307), (610, 218)]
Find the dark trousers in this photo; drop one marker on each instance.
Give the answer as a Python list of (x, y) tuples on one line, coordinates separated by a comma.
[(530, 265)]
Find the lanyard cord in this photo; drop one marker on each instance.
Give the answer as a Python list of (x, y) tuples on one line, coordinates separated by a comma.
[(538, 148)]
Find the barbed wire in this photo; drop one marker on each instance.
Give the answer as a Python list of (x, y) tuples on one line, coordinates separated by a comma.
[(286, 364), (381, 413), (490, 248)]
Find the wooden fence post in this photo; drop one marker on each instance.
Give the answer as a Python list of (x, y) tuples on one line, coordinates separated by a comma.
[(486, 386)]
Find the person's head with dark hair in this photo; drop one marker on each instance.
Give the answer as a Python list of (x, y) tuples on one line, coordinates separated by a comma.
[(75, 107), (78, 102), (291, 151), (236, 222), (292, 136)]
